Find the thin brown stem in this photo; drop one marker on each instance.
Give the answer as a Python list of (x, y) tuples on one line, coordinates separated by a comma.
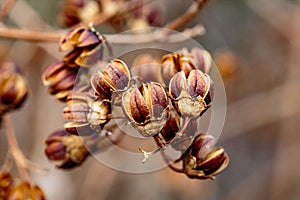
[(35, 36), (38, 36), (15, 149), (183, 19), (6, 7)]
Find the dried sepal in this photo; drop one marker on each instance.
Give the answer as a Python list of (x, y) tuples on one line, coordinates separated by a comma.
[(146, 107)]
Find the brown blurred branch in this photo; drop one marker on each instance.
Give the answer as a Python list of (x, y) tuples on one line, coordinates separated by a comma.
[(6, 6), (38, 36), (183, 19), (15, 149)]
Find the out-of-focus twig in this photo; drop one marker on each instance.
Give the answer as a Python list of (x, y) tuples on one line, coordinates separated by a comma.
[(6, 6), (38, 36), (15, 149), (191, 12)]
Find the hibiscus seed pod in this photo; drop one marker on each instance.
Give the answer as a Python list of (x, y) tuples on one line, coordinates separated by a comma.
[(68, 150), (176, 62), (202, 59), (115, 77), (25, 190), (202, 144), (214, 162), (87, 115), (146, 108), (191, 96), (60, 79), (79, 38), (13, 87)]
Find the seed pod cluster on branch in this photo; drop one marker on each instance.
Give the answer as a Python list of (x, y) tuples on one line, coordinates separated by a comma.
[(166, 109)]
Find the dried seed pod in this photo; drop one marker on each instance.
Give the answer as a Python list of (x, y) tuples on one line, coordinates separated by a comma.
[(115, 77), (76, 11), (60, 79), (146, 108), (176, 62), (214, 162), (25, 190), (202, 144), (87, 115), (197, 59), (65, 148), (201, 162), (6, 183), (191, 96), (202, 59), (79, 38), (13, 87)]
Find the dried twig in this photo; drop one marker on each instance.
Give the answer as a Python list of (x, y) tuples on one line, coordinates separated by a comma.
[(15, 149), (183, 19), (37, 36)]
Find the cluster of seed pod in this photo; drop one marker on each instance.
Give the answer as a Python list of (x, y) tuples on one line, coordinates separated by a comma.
[(85, 48), (13, 189), (76, 11), (165, 110)]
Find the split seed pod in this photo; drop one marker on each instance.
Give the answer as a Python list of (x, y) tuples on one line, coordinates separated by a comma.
[(146, 108), (203, 162), (115, 77), (60, 79), (191, 96)]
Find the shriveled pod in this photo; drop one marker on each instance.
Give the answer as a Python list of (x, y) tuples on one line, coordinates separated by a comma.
[(193, 95), (146, 108), (115, 77)]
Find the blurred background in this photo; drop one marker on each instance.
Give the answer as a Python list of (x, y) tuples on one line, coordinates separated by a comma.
[(256, 46)]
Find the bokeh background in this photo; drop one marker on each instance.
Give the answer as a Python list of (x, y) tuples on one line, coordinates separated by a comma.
[(256, 46)]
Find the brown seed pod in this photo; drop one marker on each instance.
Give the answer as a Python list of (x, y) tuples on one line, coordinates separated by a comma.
[(191, 96), (87, 115), (115, 77), (60, 79), (203, 162), (146, 108), (68, 150), (13, 87)]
